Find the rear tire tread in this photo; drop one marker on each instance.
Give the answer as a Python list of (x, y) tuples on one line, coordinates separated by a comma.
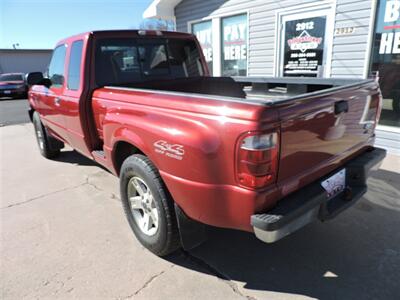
[(173, 239), (47, 151)]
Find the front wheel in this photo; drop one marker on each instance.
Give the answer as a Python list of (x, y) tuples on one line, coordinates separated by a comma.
[(148, 206), (43, 139)]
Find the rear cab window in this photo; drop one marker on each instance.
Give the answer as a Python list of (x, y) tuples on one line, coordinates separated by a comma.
[(131, 60)]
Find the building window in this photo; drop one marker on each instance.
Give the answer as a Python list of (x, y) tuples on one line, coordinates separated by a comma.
[(203, 33), (234, 46), (386, 59)]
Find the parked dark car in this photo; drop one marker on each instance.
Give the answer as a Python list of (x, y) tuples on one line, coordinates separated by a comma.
[(13, 85)]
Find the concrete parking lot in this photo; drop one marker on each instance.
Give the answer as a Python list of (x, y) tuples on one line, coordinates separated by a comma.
[(64, 235), (13, 111)]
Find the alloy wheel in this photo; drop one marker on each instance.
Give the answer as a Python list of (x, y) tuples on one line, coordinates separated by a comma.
[(143, 206)]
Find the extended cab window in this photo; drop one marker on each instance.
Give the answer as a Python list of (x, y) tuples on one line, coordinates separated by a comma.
[(56, 67), (116, 62), (74, 72), (127, 60)]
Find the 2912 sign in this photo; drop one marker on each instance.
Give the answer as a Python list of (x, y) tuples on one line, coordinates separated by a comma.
[(304, 46)]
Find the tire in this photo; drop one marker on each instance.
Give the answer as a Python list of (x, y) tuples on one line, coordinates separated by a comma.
[(45, 143), (159, 235)]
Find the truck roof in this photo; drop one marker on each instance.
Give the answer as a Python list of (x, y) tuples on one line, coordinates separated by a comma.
[(134, 32)]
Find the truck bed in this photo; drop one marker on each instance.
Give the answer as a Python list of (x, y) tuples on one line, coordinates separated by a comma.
[(267, 90), (323, 122)]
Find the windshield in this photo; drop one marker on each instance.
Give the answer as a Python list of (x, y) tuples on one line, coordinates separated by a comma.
[(11, 77), (126, 60)]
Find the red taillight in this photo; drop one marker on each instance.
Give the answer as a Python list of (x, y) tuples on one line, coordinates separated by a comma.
[(257, 159)]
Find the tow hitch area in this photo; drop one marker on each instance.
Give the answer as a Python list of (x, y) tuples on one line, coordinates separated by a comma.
[(323, 199)]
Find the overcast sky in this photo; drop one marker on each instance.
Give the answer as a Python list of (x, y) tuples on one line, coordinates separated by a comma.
[(39, 24)]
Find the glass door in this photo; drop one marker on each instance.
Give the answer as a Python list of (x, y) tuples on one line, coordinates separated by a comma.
[(386, 59), (304, 45)]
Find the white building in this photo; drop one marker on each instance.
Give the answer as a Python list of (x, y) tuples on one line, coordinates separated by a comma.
[(326, 38), (24, 60)]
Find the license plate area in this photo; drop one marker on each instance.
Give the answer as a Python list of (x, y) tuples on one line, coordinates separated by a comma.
[(7, 92), (335, 184)]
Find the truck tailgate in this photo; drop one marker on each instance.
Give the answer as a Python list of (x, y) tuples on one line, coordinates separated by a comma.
[(321, 130)]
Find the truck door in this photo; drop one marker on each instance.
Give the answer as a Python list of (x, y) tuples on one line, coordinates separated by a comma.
[(73, 95), (51, 98)]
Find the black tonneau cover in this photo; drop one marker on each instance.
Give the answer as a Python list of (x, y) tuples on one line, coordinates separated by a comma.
[(270, 91), (280, 90)]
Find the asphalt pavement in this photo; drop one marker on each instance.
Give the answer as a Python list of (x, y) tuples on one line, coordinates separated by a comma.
[(64, 235), (13, 111)]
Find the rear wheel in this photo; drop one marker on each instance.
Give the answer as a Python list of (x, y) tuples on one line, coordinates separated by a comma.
[(148, 206), (46, 145)]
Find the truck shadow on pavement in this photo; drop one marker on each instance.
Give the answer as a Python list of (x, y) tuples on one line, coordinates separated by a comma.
[(73, 157), (355, 256)]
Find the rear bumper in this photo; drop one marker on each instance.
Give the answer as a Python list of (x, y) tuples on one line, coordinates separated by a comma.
[(311, 203)]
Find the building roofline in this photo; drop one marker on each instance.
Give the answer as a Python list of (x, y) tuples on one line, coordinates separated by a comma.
[(161, 8)]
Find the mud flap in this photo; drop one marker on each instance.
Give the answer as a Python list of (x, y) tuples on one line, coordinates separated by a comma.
[(192, 233)]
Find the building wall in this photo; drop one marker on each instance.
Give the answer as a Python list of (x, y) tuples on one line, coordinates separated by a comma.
[(24, 61), (349, 51), (350, 54)]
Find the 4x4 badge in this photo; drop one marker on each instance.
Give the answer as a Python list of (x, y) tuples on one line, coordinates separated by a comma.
[(171, 150)]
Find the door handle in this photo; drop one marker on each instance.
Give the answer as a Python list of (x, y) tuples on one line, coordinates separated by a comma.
[(57, 101)]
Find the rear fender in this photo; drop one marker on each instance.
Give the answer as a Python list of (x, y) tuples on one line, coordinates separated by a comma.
[(170, 141), (127, 135)]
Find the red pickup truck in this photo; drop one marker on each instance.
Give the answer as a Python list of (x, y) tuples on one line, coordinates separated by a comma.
[(264, 155)]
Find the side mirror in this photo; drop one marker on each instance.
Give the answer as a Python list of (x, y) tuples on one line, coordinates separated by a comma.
[(34, 78), (46, 82)]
